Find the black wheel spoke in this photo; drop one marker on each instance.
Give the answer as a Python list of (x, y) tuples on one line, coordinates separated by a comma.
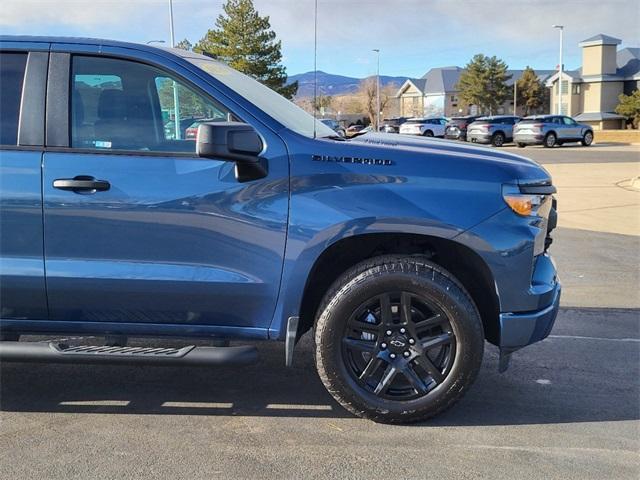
[(385, 309), (430, 368), (362, 345), (414, 379), (437, 341), (405, 308), (429, 322), (361, 326), (386, 380), (372, 367)]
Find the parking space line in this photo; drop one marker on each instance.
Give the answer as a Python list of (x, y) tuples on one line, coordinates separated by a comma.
[(580, 337)]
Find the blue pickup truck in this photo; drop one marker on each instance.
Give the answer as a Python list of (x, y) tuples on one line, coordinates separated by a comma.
[(401, 254)]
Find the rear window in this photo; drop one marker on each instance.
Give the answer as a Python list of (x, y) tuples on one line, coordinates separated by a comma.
[(12, 67)]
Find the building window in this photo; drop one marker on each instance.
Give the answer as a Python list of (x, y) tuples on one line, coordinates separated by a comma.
[(575, 89), (565, 87)]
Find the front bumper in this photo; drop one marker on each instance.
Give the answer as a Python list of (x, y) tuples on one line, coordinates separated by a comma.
[(518, 330)]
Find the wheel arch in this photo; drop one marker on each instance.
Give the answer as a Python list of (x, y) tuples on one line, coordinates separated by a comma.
[(461, 261)]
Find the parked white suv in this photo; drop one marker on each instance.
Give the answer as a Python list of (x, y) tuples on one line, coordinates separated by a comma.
[(428, 127)]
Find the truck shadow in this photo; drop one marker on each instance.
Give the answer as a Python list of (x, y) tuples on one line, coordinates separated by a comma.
[(561, 380)]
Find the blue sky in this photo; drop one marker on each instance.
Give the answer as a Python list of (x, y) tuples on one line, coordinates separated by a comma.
[(413, 35)]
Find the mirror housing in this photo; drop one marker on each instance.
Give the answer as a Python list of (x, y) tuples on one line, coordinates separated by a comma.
[(235, 142)]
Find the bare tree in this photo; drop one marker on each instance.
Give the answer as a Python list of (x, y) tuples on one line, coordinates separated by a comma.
[(367, 92)]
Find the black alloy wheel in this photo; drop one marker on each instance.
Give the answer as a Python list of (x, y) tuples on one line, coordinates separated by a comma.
[(398, 346)]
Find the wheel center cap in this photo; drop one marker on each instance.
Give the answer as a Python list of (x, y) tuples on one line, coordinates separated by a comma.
[(398, 343)]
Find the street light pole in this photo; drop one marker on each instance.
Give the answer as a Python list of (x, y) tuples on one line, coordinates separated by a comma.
[(176, 101), (377, 50), (560, 69)]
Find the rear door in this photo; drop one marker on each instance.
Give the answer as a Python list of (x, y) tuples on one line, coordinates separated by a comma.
[(166, 237), (22, 94)]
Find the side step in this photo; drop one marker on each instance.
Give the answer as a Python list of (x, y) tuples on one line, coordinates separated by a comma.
[(51, 352)]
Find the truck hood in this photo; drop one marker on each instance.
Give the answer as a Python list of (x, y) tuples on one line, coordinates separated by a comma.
[(519, 168)]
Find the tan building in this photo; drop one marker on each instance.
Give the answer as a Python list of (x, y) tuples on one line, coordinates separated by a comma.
[(590, 93), (435, 94)]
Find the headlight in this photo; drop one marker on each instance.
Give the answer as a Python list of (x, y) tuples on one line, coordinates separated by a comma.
[(525, 204), (535, 203)]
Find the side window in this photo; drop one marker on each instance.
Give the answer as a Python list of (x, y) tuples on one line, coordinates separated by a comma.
[(125, 105), (568, 121), (12, 67), (192, 108)]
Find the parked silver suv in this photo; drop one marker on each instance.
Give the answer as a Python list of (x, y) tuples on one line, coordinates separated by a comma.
[(496, 130), (551, 130)]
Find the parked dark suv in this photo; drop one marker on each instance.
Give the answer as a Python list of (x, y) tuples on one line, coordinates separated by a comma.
[(456, 127), (401, 255)]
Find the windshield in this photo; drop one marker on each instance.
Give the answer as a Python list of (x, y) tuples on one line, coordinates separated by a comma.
[(273, 104)]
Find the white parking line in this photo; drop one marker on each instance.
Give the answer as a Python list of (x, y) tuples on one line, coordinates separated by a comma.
[(579, 337)]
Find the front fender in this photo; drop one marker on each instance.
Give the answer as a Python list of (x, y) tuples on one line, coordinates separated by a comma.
[(303, 252)]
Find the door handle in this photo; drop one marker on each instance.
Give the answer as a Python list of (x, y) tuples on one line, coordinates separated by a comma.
[(82, 184)]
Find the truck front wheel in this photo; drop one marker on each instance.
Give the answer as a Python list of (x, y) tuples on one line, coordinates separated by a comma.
[(398, 339)]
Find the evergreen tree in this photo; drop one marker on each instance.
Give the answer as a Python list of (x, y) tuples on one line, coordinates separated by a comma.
[(530, 91), (184, 44), (244, 40), (484, 83), (629, 107)]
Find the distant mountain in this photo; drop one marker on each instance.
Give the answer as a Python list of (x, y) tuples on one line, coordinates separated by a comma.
[(329, 84)]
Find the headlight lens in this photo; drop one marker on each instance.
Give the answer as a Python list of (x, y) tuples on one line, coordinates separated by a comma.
[(523, 204)]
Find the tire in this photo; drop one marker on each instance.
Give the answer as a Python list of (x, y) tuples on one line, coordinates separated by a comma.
[(443, 321), (521, 145), (550, 140), (498, 139), (428, 133), (587, 138)]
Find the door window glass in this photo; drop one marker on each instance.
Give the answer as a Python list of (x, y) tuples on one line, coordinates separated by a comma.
[(123, 105), (12, 67), (568, 121)]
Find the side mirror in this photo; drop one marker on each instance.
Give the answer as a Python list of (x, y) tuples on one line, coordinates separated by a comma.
[(235, 142)]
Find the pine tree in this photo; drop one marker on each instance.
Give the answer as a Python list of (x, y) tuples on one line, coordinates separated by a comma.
[(629, 106), (244, 40), (484, 83), (530, 91), (184, 44)]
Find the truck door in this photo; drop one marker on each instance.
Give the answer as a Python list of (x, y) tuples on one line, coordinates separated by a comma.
[(22, 92), (151, 233)]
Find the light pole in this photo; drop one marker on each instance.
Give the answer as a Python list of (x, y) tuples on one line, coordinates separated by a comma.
[(377, 50), (561, 28), (176, 101)]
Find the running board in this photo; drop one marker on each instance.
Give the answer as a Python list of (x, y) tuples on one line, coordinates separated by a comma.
[(39, 352)]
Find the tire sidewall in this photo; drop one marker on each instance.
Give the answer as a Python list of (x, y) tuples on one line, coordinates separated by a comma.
[(584, 139), (462, 316)]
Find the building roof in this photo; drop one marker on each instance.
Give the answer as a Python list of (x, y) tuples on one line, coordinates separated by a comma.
[(628, 61), (600, 39), (444, 79)]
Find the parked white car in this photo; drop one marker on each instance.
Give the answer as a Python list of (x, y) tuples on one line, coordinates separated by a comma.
[(428, 127)]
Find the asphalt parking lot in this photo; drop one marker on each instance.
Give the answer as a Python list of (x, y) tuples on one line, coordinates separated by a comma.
[(568, 408)]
